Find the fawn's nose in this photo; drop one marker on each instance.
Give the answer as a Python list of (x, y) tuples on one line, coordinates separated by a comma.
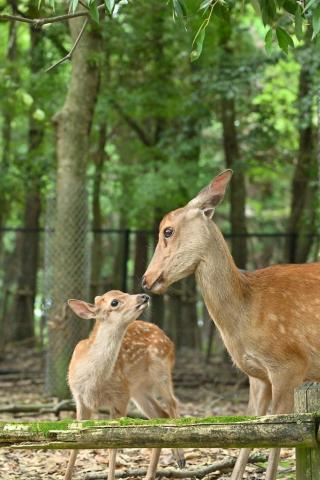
[(145, 298)]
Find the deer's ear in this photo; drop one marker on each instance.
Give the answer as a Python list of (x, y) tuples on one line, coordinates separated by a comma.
[(212, 195), (82, 309)]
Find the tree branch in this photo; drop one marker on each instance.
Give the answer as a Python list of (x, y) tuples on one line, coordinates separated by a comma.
[(69, 55), (222, 466), (39, 22), (133, 124)]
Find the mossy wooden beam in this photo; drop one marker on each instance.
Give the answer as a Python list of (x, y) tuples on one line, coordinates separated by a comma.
[(269, 431)]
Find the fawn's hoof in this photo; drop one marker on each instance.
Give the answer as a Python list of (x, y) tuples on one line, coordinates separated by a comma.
[(181, 462)]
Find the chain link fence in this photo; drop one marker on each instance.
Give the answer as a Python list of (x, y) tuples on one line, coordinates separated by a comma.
[(68, 255), (66, 275)]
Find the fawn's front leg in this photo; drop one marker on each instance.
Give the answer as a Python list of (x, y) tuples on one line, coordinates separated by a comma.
[(83, 413), (116, 412)]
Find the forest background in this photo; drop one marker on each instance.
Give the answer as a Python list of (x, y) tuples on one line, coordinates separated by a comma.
[(94, 151)]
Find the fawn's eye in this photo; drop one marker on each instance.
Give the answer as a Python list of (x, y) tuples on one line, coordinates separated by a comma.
[(114, 303), (168, 232)]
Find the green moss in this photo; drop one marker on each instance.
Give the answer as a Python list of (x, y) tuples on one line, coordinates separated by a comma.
[(46, 427), (183, 420)]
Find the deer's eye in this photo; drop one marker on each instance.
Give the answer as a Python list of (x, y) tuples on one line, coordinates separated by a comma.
[(114, 303), (168, 232)]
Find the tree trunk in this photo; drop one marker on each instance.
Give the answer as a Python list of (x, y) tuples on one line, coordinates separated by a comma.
[(158, 308), (237, 186), (23, 316), (183, 306), (70, 242), (120, 259), (7, 131), (5, 161), (304, 187), (97, 250), (140, 258)]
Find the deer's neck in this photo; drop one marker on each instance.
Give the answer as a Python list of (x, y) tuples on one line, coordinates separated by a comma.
[(224, 288), (105, 344)]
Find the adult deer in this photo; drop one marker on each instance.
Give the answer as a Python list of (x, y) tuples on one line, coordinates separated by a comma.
[(123, 359), (269, 319)]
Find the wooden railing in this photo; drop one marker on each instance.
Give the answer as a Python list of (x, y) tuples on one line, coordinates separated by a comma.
[(299, 430)]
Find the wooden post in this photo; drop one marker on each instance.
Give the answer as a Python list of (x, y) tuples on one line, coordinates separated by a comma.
[(307, 399)]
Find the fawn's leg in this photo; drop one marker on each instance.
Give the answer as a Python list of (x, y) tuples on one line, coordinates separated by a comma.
[(151, 408), (259, 401), (116, 412), (172, 405), (83, 413)]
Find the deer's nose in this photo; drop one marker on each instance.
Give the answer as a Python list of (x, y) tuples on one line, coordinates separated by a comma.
[(145, 297)]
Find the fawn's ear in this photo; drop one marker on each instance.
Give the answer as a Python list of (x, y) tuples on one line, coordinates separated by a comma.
[(212, 195), (83, 309)]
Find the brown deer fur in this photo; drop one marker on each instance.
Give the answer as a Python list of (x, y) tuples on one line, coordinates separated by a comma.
[(122, 359), (269, 319)]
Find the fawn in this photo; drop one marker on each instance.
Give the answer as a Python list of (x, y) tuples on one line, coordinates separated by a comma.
[(269, 319), (123, 358)]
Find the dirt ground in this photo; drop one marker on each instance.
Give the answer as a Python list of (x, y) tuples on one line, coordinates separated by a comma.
[(203, 389)]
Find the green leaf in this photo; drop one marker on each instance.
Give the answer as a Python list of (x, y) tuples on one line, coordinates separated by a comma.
[(179, 9), (316, 22), (309, 4), (268, 41), (109, 5), (198, 42), (94, 12), (291, 6), (74, 4), (284, 39), (298, 24), (205, 4), (268, 11)]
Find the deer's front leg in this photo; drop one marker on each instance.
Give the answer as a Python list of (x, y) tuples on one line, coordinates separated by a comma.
[(283, 385), (259, 401)]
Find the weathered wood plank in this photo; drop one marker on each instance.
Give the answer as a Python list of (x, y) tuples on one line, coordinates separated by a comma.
[(307, 399), (270, 431)]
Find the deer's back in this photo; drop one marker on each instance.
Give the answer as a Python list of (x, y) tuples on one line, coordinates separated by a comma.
[(284, 317)]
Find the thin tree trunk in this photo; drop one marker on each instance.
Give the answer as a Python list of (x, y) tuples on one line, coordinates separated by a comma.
[(158, 309), (4, 165), (119, 260), (304, 187), (23, 317), (173, 317), (70, 245), (187, 327), (97, 250), (237, 187), (140, 258), (7, 131)]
